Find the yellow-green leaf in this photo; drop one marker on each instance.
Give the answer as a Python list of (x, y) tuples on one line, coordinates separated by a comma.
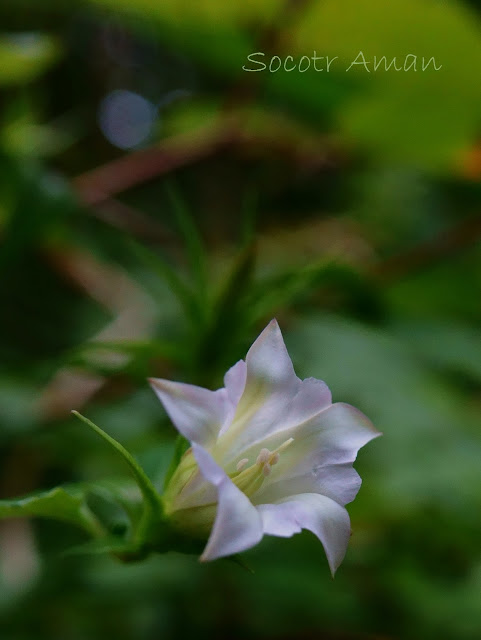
[(25, 56)]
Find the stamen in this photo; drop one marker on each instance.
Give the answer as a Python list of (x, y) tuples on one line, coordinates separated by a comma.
[(263, 456), (242, 463), (274, 459), (249, 478)]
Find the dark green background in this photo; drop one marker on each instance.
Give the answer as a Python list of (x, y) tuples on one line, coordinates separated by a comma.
[(346, 205)]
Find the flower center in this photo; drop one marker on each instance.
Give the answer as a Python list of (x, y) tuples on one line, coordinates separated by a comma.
[(250, 478)]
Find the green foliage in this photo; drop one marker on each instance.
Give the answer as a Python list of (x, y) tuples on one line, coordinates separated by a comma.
[(25, 56), (425, 118), (149, 493), (63, 503)]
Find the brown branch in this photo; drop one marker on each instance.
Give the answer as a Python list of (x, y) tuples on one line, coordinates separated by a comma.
[(461, 236), (132, 221), (104, 182), (134, 318), (100, 184)]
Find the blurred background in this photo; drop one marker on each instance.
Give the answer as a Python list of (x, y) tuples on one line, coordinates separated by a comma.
[(158, 206)]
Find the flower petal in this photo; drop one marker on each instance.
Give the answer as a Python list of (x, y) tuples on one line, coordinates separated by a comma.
[(274, 398), (197, 413), (238, 525), (268, 359), (340, 482), (321, 456), (235, 381), (319, 514)]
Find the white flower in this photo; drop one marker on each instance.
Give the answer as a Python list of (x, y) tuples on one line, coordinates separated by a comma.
[(270, 455)]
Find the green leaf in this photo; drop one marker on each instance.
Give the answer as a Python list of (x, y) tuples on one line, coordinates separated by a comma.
[(121, 491), (193, 242), (228, 305), (169, 274), (274, 292), (427, 118), (224, 334), (62, 503), (249, 212), (209, 12), (111, 544), (102, 356)]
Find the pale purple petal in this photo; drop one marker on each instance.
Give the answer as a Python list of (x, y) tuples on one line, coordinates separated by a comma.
[(335, 435), (319, 514), (274, 399), (238, 525), (284, 411), (197, 413), (320, 457), (313, 396), (235, 381), (340, 482), (268, 359)]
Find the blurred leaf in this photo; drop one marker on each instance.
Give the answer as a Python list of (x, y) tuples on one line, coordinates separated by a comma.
[(110, 545), (249, 215), (452, 346), (427, 118), (199, 119), (229, 321), (63, 503), (109, 356), (212, 12), (273, 292), (40, 204), (165, 271), (22, 134), (422, 416), (448, 289), (17, 405), (193, 243), (24, 56), (229, 305), (213, 31)]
